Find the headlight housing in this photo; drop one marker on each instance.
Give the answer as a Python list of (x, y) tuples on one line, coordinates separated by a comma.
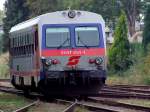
[(48, 62), (99, 61), (71, 14)]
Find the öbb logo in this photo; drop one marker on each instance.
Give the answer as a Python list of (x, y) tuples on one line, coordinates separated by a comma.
[(74, 60)]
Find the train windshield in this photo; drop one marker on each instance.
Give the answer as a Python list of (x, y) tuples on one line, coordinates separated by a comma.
[(56, 37), (87, 36)]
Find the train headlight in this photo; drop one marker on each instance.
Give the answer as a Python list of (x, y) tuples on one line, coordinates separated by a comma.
[(48, 62), (43, 59), (71, 14), (99, 61)]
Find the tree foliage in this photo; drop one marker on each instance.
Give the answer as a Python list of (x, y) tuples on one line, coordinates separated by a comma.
[(146, 33), (120, 50), (103, 7), (132, 9), (16, 12), (77, 4), (38, 7), (107, 8), (1, 16)]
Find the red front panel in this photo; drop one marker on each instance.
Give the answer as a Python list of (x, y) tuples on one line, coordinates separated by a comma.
[(74, 52)]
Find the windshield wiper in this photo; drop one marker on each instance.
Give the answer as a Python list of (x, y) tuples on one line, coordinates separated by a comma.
[(61, 45), (79, 40)]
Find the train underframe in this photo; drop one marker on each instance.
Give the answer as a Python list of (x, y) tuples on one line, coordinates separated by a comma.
[(72, 83)]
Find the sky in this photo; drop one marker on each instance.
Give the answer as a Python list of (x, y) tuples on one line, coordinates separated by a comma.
[(2, 4)]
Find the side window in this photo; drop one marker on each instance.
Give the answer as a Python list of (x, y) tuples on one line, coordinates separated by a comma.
[(15, 42), (22, 44), (28, 39), (23, 39), (11, 42), (32, 41), (19, 40)]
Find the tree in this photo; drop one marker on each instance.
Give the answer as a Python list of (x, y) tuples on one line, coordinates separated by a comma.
[(38, 7), (132, 9), (16, 11), (77, 4), (120, 50), (1, 16), (107, 8), (146, 33)]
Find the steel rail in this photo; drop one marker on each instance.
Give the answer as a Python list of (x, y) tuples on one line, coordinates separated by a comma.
[(86, 106), (123, 95), (4, 80), (10, 90), (70, 108), (96, 108), (130, 86), (119, 104), (127, 89), (26, 107)]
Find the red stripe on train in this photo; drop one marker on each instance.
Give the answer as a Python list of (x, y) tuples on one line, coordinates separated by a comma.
[(74, 52)]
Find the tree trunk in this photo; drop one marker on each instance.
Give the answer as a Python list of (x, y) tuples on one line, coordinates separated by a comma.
[(130, 9), (131, 26)]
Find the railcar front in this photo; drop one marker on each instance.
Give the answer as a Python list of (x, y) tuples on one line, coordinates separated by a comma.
[(73, 57)]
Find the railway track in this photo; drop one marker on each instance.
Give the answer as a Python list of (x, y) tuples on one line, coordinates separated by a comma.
[(109, 94), (131, 86), (96, 100), (137, 89), (70, 108), (92, 105), (10, 90), (91, 108), (124, 91), (4, 80), (104, 93), (25, 108), (118, 104)]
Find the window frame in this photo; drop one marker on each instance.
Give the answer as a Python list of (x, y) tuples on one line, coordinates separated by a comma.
[(69, 33), (99, 36)]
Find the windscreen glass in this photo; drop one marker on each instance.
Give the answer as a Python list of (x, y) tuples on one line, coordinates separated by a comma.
[(56, 37), (87, 36)]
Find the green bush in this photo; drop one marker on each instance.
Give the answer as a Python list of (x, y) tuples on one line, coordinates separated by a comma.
[(119, 52), (138, 73)]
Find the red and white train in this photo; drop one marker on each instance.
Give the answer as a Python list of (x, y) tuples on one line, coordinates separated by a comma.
[(62, 52)]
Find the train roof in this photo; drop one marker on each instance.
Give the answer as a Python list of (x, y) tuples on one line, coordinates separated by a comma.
[(59, 17)]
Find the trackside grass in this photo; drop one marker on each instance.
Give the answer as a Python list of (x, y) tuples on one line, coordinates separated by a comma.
[(9, 102)]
